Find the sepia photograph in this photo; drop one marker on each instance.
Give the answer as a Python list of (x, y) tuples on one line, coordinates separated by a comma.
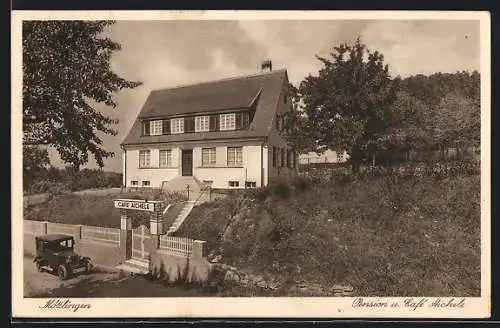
[(277, 158)]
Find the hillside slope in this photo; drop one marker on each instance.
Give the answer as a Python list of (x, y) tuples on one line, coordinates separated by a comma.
[(384, 237)]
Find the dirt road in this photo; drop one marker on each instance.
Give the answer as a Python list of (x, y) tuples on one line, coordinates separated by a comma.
[(102, 283)]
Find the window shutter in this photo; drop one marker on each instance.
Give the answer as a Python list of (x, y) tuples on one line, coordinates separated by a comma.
[(238, 120), (245, 119), (165, 127), (214, 122), (145, 128), (189, 124)]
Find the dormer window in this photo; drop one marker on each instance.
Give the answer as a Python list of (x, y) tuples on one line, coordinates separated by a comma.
[(227, 122), (155, 127), (177, 125)]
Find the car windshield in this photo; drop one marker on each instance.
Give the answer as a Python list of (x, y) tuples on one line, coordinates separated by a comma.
[(58, 246)]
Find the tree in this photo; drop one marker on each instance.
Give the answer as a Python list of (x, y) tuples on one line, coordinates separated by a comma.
[(348, 104), (35, 163), (450, 109), (457, 122), (66, 71), (408, 124), (295, 124)]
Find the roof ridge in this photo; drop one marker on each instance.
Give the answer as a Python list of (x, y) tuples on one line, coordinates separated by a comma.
[(221, 80)]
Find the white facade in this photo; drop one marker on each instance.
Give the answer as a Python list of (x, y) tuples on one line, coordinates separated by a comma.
[(254, 167)]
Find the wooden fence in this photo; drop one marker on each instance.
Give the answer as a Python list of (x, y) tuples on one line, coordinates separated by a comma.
[(177, 246), (65, 229), (91, 233), (110, 235), (34, 227)]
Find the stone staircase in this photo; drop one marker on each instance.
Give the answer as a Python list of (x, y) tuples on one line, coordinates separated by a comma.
[(135, 265), (182, 216)]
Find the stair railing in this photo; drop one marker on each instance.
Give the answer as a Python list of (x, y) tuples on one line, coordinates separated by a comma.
[(206, 187)]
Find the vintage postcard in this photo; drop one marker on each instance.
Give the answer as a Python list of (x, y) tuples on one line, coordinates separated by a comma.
[(202, 164)]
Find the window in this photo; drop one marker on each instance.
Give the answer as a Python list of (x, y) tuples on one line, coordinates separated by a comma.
[(155, 128), (274, 156), (234, 156), (227, 121), (234, 183), (207, 156), (250, 184), (144, 158), (202, 123), (146, 183), (165, 158), (177, 125), (134, 183)]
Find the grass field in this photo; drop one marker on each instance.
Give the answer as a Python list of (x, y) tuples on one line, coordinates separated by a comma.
[(384, 237)]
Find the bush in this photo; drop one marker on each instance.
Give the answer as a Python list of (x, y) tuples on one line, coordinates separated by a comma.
[(45, 186), (259, 194), (281, 189), (301, 184)]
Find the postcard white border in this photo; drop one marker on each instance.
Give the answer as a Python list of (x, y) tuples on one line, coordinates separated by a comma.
[(313, 307)]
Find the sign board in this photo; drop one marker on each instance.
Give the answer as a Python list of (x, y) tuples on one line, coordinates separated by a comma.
[(138, 205)]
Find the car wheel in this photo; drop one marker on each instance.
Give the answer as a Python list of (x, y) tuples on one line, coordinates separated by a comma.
[(39, 266), (63, 272)]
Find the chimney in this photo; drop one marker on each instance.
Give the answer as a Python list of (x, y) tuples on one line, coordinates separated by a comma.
[(267, 66)]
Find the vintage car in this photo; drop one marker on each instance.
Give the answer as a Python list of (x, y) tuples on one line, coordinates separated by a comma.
[(54, 252)]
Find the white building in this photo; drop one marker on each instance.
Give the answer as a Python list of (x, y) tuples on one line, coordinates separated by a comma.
[(225, 133), (329, 156)]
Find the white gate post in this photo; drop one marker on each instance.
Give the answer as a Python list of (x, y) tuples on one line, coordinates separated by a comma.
[(142, 241)]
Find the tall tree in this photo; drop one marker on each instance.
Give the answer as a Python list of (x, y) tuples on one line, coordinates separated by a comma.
[(66, 71), (348, 104), (295, 124)]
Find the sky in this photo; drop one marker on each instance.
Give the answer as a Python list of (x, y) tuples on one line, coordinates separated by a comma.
[(164, 54)]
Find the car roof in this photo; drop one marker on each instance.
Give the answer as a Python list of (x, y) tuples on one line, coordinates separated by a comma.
[(53, 237)]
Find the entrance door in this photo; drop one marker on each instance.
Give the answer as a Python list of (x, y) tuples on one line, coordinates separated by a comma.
[(187, 162)]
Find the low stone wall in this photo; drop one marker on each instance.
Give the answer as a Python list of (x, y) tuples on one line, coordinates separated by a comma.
[(232, 274), (174, 268), (165, 265)]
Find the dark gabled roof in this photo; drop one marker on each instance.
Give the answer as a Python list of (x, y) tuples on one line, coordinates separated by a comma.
[(54, 237), (262, 90)]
